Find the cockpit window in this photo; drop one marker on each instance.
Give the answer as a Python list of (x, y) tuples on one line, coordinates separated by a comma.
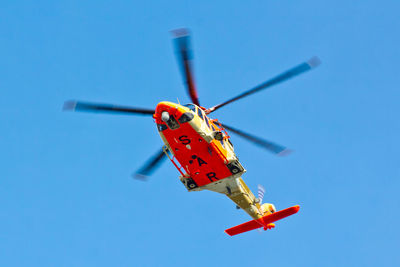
[(187, 116), (192, 107), (172, 123)]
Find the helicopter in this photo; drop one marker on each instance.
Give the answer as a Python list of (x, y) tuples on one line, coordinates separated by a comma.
[(200, 147)]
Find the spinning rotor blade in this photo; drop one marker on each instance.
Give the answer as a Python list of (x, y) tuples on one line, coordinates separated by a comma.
[(270, 146), (261, 192), (182, 45), (150, 166), (303, 67), (104, 108)]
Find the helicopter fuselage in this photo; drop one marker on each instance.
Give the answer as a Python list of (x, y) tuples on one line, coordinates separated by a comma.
[(201, 150), (198, 143)]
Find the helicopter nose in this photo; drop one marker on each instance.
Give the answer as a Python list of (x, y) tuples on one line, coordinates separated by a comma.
[(171, 108), (165, 110)]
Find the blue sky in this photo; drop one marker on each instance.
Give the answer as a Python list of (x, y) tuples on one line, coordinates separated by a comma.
[(66, 195)]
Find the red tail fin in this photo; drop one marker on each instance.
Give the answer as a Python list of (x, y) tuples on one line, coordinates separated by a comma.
[(263, 221)]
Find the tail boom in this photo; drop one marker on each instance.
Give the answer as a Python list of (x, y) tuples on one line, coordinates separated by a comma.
[(266, 221)]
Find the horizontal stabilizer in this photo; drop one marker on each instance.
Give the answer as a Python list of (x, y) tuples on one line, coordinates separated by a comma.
[(265, 222)]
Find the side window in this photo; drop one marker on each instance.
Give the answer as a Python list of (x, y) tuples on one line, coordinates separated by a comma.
[(206, 119), (200, 113), (161, 127), (230, 143), (222, 143)]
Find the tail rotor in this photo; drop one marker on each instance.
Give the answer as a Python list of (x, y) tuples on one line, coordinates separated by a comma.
[(261, 192)]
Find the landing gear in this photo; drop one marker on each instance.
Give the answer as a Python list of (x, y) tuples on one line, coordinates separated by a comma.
[(235, 167), (189, 183)]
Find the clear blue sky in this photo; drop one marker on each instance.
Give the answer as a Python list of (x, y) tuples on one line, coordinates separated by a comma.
[(66, 196)]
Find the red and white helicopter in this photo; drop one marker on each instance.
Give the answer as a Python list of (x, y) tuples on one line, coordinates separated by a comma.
[(200, 147)]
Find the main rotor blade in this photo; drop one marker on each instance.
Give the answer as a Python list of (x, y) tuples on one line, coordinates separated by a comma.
[(270, 146), (151, 165), (184, 53), (303, 67), (105, 108)]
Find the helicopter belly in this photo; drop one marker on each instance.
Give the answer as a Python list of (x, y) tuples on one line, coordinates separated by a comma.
[(203, 158)]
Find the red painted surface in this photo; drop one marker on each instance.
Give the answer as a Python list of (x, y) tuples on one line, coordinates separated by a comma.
[(203, 159), (265, 221)]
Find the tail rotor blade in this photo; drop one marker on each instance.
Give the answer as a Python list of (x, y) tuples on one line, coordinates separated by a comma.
[(303, 67), (261, 192), (184, 54)]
